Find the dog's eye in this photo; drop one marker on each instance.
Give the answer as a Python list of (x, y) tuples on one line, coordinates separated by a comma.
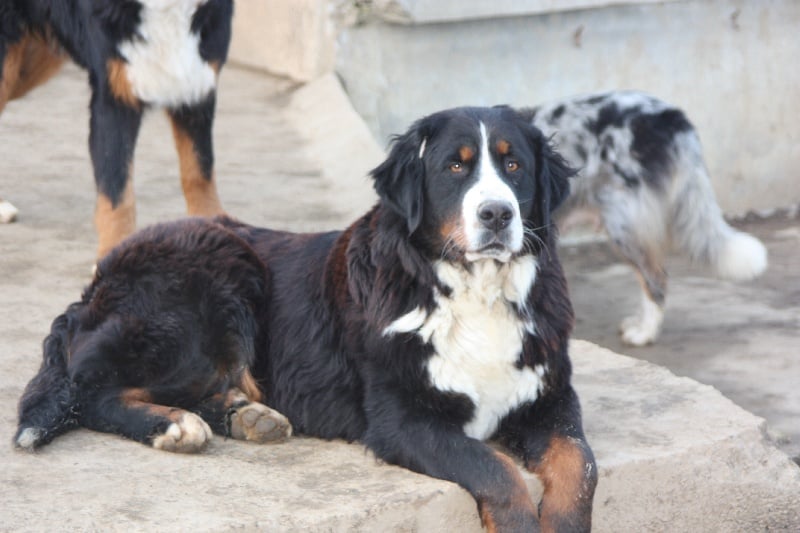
[(456, 168), (512, 166)]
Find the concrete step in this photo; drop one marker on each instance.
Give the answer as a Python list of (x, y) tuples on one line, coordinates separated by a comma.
[(673, 455)]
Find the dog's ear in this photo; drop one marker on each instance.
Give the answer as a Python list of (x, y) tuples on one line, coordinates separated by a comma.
[(399, 180), (552, 179), (554, 174)]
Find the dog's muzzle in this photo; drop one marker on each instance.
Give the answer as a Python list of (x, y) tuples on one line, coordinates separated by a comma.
[(496, 233)]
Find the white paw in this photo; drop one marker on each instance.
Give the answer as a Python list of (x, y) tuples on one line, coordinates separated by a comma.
[(190, 434), (637, 333), (8, 213), (643, 329)]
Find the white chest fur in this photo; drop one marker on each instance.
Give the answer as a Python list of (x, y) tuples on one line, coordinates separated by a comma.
[(477, 338), (164, 63)]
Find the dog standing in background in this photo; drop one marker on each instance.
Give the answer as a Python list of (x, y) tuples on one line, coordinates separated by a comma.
[(643, 176), (139, 54)]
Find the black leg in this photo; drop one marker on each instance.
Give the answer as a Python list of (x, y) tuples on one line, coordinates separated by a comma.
[(114, 128), (548, 436)]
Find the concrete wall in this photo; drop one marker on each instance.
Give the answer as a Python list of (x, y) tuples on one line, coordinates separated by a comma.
[(731, 64)]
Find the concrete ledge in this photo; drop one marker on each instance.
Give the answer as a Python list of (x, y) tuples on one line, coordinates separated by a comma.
[(293, 38), (676, 455), (430, 11), (673, 456), (338, 141)]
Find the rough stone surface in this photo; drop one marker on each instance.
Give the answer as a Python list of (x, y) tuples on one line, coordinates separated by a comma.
[(673, 455)]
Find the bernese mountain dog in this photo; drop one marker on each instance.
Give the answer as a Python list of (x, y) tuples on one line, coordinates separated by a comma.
[(437, 321), (139, 54), (644, 181)]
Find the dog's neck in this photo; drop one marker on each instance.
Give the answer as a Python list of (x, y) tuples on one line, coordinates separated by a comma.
[(490, 281)]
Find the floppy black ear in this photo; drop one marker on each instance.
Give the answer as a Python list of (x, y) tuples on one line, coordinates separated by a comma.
[(552, 179), (554, 174), (399, 181)]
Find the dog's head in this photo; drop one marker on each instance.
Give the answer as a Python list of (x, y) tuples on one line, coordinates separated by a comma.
[(474, 183)]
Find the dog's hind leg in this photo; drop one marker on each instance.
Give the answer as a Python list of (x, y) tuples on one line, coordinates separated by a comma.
[(238, 415), (642, 247), (131, 413), (24, 64), (191, 128), (115, 120), (27, 63)]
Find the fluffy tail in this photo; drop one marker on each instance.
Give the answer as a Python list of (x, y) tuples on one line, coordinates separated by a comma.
[(697, 225), (47, 407)]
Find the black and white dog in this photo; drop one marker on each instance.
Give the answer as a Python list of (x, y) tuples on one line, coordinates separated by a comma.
[(438, 320), (139, 54), (643, 177)]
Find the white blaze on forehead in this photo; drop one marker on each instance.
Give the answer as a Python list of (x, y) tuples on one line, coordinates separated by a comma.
[(164, 66), (489, 187)]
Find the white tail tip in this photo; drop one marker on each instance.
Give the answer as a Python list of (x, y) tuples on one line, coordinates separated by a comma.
[(742, 257), (29, 438)]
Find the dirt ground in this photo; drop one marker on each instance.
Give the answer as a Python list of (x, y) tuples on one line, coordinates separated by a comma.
[(743, 339)]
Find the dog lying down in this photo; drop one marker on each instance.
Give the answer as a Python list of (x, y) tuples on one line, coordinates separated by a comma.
[(437, 321), (643, 177)]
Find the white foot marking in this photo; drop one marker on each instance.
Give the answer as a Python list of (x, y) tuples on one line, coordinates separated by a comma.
[(190, 434)]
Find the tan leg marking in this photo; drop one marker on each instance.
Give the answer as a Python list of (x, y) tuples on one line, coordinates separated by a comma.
[(199, 191), (11, 65), (566, 476), (248, 385), (120, 85), (29, 62), (115, 223)]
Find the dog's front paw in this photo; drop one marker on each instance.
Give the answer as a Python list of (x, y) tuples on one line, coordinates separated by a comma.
[(189, 434), (258, 423)]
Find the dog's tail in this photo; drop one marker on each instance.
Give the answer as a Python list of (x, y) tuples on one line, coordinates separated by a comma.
[(48, 406), (697, 225)]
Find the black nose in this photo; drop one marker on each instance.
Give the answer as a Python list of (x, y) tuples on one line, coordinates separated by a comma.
[(495, 215)]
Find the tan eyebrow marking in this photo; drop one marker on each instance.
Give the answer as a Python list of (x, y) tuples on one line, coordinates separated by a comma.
[(503, 147), (466, 153)]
